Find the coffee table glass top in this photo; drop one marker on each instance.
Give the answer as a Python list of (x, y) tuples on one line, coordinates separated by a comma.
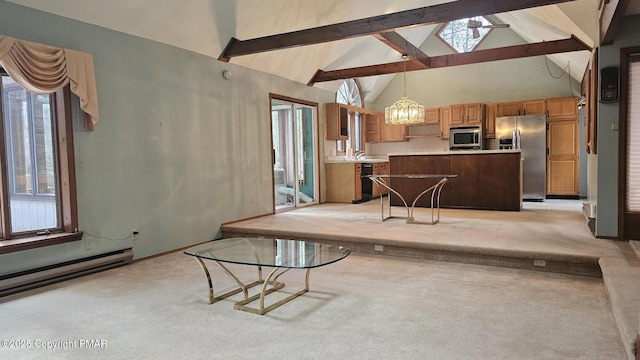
[(281, 253)]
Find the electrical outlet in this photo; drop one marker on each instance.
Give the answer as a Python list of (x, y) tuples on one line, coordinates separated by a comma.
[(253, 199), (88, 243), (134, 234)]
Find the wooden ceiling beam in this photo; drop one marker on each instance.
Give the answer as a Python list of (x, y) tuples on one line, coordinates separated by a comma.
[(404, 47), (610, 19), (474, 57), (378, 24)]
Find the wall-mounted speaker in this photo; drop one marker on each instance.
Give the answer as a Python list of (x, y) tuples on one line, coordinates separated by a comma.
[(609, 89)]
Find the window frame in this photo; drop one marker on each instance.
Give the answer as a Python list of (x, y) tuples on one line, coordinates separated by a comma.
[(441, 27), (354, 117), (68, 209)]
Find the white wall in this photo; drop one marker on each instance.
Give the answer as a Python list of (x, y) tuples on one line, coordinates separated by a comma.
[(178, 149)]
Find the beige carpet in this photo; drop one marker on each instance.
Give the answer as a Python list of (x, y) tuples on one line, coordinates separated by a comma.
[(635, 245), (364, 307)]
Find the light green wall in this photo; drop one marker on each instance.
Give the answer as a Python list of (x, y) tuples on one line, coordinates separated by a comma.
[(178, 149), (628, 35)]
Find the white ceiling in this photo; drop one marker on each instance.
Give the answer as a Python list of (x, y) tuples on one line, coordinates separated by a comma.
[(205, 27)]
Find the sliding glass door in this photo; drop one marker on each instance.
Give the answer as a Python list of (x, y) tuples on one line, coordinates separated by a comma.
[(295, 154)]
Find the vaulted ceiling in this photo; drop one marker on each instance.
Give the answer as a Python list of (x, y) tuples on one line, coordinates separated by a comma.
[(207, 26)]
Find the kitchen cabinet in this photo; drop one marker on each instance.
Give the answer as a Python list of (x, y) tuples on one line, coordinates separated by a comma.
[(513, 108), (377, 130), (372, 128), (383, 169), (336, 122), (432, 116), (534, 107), (490, 120), (563, 157), (445, 120), (426, 129), (562, 108), (466, 114), (527, 107), (393, 132), (344, 181), (374, 189)]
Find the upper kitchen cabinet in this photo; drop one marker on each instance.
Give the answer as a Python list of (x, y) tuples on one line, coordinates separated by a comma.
[(427, 128), (336, 122), (466, 114), (562, 108), (490, 120), (377, 130), (534, 107), (509, 109), (372, 126), (445, 120), (393, 132), (432, 116), (517, 108)]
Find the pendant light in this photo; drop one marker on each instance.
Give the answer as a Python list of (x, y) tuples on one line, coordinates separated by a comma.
[(404, 111)]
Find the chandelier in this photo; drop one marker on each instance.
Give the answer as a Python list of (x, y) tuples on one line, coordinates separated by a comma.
[(404, 111)]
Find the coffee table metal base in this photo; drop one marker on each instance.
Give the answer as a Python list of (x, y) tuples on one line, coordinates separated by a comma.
[(435, 190), (272, 279)]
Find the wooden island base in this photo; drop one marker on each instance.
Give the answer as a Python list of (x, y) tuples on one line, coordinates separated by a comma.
[(490, 180)]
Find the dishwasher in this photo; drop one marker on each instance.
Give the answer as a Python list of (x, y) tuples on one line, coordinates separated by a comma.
[(367, 184)]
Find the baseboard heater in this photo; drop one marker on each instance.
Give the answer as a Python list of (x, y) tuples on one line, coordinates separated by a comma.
[(29, 279)]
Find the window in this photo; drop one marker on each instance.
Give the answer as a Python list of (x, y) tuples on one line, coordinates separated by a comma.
[(36, 158), (463, 35), (349, 94)]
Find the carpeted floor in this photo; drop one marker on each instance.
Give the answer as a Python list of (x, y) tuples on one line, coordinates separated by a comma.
[(367, 306), (364, 307)]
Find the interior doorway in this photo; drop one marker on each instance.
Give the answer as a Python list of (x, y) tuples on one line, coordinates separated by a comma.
[(294, 129)]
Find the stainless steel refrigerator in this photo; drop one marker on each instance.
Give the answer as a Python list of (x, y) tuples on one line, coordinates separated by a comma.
[(529, 134)]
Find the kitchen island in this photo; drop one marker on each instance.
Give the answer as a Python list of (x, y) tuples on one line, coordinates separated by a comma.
[(486, 179)]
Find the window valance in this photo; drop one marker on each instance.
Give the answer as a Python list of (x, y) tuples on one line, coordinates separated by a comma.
[(43, 69)]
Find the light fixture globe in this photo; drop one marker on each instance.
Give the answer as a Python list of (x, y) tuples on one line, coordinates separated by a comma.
[(404, 111)]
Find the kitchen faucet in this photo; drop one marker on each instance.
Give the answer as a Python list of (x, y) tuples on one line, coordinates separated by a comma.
[(359, 155)]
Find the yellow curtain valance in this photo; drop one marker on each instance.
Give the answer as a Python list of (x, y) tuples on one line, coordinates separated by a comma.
[(43, 69)]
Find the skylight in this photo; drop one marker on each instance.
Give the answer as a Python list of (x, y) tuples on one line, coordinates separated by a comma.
[(463, 35)]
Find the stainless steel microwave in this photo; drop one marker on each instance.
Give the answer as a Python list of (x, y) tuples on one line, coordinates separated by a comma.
[(465, 138)]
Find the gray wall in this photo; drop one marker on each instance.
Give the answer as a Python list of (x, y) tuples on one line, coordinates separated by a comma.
[(178, 149), (606, 194)]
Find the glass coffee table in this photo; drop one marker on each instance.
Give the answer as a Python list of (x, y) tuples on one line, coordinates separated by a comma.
[(281, 254)]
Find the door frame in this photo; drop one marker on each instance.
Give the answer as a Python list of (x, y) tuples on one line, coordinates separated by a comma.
[(277, 97), (623, 221)]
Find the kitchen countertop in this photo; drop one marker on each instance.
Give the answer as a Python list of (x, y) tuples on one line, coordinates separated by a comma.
[(362, 161), (458, 152)]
